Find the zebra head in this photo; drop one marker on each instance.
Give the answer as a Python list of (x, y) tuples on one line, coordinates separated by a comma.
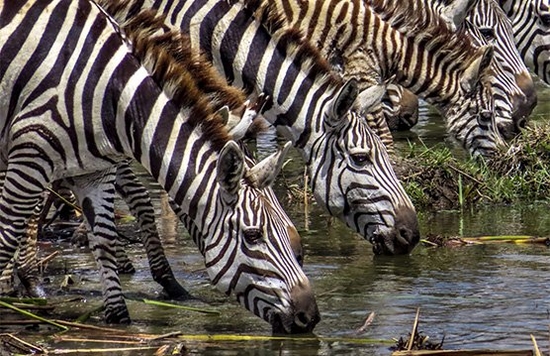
[(471, 118), (509, 98), (513, 86), (352, 172), (248, 251)]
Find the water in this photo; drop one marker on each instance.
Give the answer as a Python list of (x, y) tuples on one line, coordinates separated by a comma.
[(482, 296)]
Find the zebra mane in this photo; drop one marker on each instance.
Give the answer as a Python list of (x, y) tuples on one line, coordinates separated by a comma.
[(291, 40), (418, 22), (184, 75)]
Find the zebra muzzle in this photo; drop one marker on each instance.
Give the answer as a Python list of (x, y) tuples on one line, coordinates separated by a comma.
[(304, 316)]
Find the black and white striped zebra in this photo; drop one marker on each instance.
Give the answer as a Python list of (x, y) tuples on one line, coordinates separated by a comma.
[(531, 24), (223, 98), (351, 177), (513, 87), (378, 39), (77, 101)]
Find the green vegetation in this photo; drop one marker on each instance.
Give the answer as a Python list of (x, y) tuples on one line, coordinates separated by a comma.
[(436, 179)]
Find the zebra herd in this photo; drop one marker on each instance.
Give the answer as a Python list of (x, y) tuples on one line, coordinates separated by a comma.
[(92, 85)]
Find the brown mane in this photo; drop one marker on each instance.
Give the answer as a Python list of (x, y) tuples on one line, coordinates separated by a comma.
[(185, 76)]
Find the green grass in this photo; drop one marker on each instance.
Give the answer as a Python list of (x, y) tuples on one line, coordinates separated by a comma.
[(435, 179)]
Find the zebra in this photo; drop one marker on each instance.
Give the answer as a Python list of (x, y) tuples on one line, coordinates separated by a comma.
[(531, 24), (515, 97), (77, 100), (378, 39), (350, 179), (400, 108), (320, 18), (223, 97)]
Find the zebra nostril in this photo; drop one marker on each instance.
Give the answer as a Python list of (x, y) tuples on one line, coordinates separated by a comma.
[(404, 236), (302, 320)]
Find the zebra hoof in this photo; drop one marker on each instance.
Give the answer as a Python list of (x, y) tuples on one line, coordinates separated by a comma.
[(176, 292), (117, 316)]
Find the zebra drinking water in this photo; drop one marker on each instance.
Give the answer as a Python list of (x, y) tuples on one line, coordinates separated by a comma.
[(377, 40), (77, 101), (514, 90), (309, 106)]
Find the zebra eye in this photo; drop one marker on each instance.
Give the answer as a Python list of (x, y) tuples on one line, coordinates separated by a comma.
[(252, 235), (360, 159), (488, 33), (486, 114)]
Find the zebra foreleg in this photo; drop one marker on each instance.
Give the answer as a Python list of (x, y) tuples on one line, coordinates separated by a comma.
[(96, 195), (27, 262), (17, 203), (136, 196)]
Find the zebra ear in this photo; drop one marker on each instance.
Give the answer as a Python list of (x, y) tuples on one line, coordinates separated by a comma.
[(224, 114), (455, 13), (230, 169), (264, 173), (342, 103), (472, 75), (241, 121), (369, 98)]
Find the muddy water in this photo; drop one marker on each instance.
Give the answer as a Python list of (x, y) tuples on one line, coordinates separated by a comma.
[(491, 296)]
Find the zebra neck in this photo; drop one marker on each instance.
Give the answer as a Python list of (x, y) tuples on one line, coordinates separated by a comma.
[(241, 48), (173, 150)]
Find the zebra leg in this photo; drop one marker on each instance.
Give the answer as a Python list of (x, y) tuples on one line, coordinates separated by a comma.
[(7, 280), (6, 277), (136, 196), (96, 195), (64, 202), (27, 262), (123, 262), (20, 195)]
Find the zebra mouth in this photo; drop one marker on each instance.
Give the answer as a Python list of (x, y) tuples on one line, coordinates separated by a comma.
[(395, 243), (379, 248), (284, 324), (280, 324)]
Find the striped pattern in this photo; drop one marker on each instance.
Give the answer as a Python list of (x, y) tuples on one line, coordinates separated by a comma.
[(310, 107), (514, 91), (81, 103), (375, 40), (531, 24), (400, 108)]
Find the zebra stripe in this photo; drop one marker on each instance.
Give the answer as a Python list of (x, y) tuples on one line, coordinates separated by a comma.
[(531, 24), (109, 109), (515, 95), (378, 39), (310, 107)]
